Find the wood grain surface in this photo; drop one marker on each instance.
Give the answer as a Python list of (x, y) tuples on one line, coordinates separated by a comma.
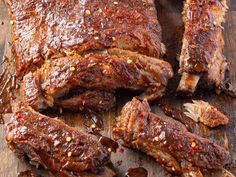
[(169, 14)]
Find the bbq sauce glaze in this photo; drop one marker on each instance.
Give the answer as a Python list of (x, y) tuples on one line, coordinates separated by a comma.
[(136, 172)]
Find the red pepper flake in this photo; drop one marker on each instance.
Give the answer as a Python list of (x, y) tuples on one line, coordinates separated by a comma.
[(120, 150), (20, 116), (95, 24), (148, 159), (142, 114), (194, 147), (191, 150), (180, 146)]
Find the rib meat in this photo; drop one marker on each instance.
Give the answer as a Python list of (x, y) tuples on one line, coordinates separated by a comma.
[(43, 30), (79, 99), (54, 145), (202, 58), (168, 142), (92, 44), (117, 69), (96, 71), (97, 101)]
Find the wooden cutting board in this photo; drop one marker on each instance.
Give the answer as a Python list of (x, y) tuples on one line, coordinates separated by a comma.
[(169, 14)]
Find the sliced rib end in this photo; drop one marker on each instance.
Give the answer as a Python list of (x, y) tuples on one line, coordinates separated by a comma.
[(188, 83)]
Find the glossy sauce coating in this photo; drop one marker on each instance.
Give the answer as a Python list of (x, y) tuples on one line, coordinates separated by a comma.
[(45, 29), (203, 34), (167, 141), (202, 56), (101, 73), (95, 45), (52, 144)]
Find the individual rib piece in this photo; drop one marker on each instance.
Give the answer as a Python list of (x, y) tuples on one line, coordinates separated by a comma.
[(201, 111), (98, 71), (202, 58), (168, 142), (54, 28), (54, 145)]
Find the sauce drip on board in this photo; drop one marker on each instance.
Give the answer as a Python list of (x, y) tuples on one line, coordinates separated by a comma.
[(98, 121), (96, 127), (93, 123), (109, 143), (177, 115), (136, 172)]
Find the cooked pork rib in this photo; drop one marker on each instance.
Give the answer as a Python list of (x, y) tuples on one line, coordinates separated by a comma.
[(87, 45), (105, 71), (95, 71), (54, 145), (43, 30), (202, 58), (201, 111), (167, 141)]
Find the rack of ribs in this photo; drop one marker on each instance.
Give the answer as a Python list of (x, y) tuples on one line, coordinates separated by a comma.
[(202, 60), (98, 46), (50, 143), (169, 142)]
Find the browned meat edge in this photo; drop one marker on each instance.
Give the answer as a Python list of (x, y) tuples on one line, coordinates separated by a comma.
[(54, 145), (202, 51), (167, 141), (44, 30), (100, 72)]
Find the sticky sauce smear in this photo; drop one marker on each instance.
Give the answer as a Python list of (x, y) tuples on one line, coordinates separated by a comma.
[(136, 172), (109, 143)]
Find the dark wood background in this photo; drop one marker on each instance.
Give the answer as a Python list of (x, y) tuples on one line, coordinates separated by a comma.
[(169, 13)]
